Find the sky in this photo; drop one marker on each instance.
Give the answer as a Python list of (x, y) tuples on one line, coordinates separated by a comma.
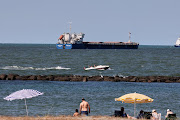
[(151, 22)]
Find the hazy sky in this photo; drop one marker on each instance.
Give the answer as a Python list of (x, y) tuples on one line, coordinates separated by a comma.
[(151, 22)]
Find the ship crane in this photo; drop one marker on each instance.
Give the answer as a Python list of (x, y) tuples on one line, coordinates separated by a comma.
[(129, 37)]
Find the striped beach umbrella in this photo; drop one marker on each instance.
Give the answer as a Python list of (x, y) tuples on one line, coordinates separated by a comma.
[(23, 94), (134, 98)]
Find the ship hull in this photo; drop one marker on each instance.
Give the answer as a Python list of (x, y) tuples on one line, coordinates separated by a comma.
[(176, 45), (96, 46)]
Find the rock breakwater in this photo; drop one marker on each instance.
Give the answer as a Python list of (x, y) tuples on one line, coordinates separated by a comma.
[(77, 78)]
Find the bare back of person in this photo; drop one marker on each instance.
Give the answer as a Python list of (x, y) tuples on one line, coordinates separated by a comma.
[(84, 107), (76, 114), (168, 112)]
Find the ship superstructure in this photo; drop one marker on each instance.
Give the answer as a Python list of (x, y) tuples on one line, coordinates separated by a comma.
[(68, 38)]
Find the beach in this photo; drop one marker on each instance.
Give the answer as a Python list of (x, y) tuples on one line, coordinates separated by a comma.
[(62, 117)]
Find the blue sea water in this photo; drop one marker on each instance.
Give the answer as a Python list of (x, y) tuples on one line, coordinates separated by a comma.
[(45, 59), (62, 98)]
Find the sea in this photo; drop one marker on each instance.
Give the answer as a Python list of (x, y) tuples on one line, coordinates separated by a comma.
[(62, 98)]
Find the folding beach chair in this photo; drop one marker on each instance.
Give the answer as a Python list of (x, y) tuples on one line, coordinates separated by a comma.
[(171, 117)]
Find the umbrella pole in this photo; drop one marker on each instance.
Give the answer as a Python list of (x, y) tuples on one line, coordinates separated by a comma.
[(26, 106), (134, 109)]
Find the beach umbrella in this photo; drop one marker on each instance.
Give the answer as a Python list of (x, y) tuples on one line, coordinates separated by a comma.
[(134, 98), (23, 94)]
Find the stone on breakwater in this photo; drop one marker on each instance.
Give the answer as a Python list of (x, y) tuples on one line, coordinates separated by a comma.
[(76, 78), (85, 79), (107, 78), (95, 78), (3, 76), (32, 77), (133, 79), (50, 77), (178, 81), (22, 77), (142, 79), (62, 78), (11, 76), (119, 79), (39, 77)]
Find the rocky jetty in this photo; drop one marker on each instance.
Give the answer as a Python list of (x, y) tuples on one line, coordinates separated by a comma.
[(77, 78)]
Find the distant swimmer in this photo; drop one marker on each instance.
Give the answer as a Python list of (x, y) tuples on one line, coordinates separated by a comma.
[(84, 107)]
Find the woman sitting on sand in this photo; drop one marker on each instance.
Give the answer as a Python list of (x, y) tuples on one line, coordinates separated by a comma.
[(76, 113), (168, 112), (154, 115), (122, 113), (141, 115)]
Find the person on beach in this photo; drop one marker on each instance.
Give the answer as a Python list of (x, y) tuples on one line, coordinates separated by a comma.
[(154, 115), (84, 107), (122, 113), (76, 113), (141, 115), (168, 112)]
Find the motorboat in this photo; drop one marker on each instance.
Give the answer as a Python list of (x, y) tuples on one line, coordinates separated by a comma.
[(98, 67), (102, 67), (89, 68)]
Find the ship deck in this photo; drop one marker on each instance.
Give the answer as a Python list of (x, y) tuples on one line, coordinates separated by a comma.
[(111, 43)]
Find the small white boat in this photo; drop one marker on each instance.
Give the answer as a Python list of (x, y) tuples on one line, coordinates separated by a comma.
[(177, 43), (99, 67), (102, 67), (89, 68)]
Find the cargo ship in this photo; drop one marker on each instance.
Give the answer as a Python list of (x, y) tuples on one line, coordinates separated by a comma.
[(75, 41)]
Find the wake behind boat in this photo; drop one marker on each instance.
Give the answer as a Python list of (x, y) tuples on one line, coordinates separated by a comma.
[(99, 67)]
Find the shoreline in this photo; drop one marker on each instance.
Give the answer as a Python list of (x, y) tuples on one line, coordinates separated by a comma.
[(61, 117), (78, 78)]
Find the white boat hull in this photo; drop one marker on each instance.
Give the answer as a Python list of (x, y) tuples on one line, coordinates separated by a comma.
[(99, 67)]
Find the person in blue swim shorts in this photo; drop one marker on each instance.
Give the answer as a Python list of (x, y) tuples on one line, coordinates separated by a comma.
[(84, 107)]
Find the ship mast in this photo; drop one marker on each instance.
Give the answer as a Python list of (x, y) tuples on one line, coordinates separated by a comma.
[(70, 26), (129, 37)]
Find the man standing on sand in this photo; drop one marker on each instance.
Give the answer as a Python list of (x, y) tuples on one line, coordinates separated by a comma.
[(84, 106)]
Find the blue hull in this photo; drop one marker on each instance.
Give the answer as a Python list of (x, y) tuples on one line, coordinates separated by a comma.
[(95, 46), (64, 46), (176, 46)]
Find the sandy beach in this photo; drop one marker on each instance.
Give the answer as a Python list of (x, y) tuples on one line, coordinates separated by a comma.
[(63, 117)]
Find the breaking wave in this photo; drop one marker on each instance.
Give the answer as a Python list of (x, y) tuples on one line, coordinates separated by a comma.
[(32, 68)]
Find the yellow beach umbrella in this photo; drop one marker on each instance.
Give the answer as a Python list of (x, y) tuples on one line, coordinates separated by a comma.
[(134, 98)]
